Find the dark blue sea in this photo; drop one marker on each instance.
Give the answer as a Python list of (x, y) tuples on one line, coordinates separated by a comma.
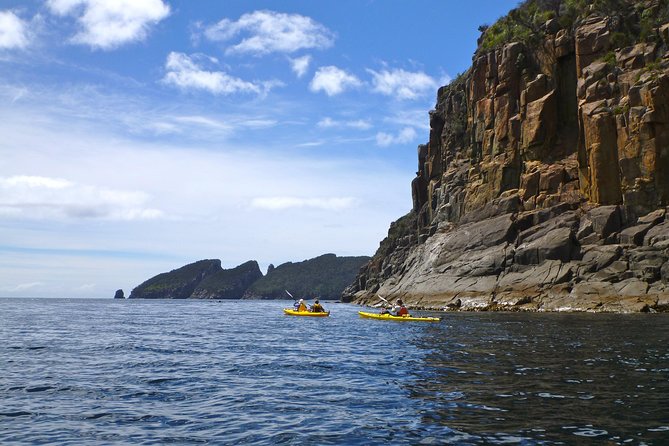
[(101, 372)]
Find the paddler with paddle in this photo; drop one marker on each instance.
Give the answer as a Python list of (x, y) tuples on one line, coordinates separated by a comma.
[(396, 310), (301, 305)]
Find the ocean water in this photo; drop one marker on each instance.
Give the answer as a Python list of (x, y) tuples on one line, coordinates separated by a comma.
[(240, 372)]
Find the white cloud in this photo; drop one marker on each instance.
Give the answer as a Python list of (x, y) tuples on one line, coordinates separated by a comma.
[(183, 72), (402, 84), (333, 80), (13, 31), (21, 287), (108, 24), (283, 203), (36, 197), (406, 135), (300, 65), (269, 32), (359, 124)]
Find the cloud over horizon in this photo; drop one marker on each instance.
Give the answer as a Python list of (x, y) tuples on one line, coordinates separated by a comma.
[(37, 197)]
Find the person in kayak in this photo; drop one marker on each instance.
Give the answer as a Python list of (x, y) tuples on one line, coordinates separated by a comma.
[(397, 310), (400, 309), (301, 306), (317, 307)]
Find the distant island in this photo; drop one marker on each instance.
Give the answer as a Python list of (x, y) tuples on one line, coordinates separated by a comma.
[(324, 277)]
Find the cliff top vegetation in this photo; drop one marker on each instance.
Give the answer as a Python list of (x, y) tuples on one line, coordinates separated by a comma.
[(527, 22)]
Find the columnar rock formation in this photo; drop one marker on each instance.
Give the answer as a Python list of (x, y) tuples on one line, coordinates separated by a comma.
[(544, 182)]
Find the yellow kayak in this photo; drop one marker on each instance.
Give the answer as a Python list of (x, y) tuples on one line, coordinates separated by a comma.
[(390, 317), (291, 312)]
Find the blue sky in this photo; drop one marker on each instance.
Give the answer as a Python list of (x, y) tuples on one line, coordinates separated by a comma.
[(141, 135)]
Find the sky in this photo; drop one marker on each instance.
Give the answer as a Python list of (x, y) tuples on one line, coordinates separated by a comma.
[(137, 136)]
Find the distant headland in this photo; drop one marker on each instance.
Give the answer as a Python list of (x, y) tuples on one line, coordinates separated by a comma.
[(325, 277)]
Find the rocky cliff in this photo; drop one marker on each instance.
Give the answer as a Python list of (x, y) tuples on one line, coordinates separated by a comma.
[(228, 283), (204, 279), (324, 276), (545, 180)]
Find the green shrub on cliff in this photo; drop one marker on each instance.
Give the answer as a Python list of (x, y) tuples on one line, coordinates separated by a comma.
[(638, 20), (520, 25)]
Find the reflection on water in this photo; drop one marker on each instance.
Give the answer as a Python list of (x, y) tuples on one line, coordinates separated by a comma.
[(546, 378)]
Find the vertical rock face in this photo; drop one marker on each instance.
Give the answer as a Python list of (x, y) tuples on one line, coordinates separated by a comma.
[(542, 133)]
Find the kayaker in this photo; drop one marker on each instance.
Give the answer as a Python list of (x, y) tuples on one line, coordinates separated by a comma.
[(317, 307), (301, 306), (400, 309)]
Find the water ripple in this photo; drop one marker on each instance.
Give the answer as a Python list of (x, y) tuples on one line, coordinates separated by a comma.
[(190, 372)]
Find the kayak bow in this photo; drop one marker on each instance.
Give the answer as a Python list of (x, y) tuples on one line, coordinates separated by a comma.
[(390, 317)]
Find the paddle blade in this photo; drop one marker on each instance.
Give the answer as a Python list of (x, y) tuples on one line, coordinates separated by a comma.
[(380, 297)]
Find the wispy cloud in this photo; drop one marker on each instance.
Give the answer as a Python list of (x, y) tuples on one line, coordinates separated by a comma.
[(406, 135), (109, 24), (35, 197), (360, 124), (204, 122), (86, 287), (283, 203), (265, 32), (333, 81), (206, 126), (311, 144), (13, 31), (185, 73), (21, 287), (402, 84), (300, 65)]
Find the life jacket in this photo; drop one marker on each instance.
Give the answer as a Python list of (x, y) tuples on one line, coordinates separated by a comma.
[(403, 311), (302, 307), (317, 308)]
